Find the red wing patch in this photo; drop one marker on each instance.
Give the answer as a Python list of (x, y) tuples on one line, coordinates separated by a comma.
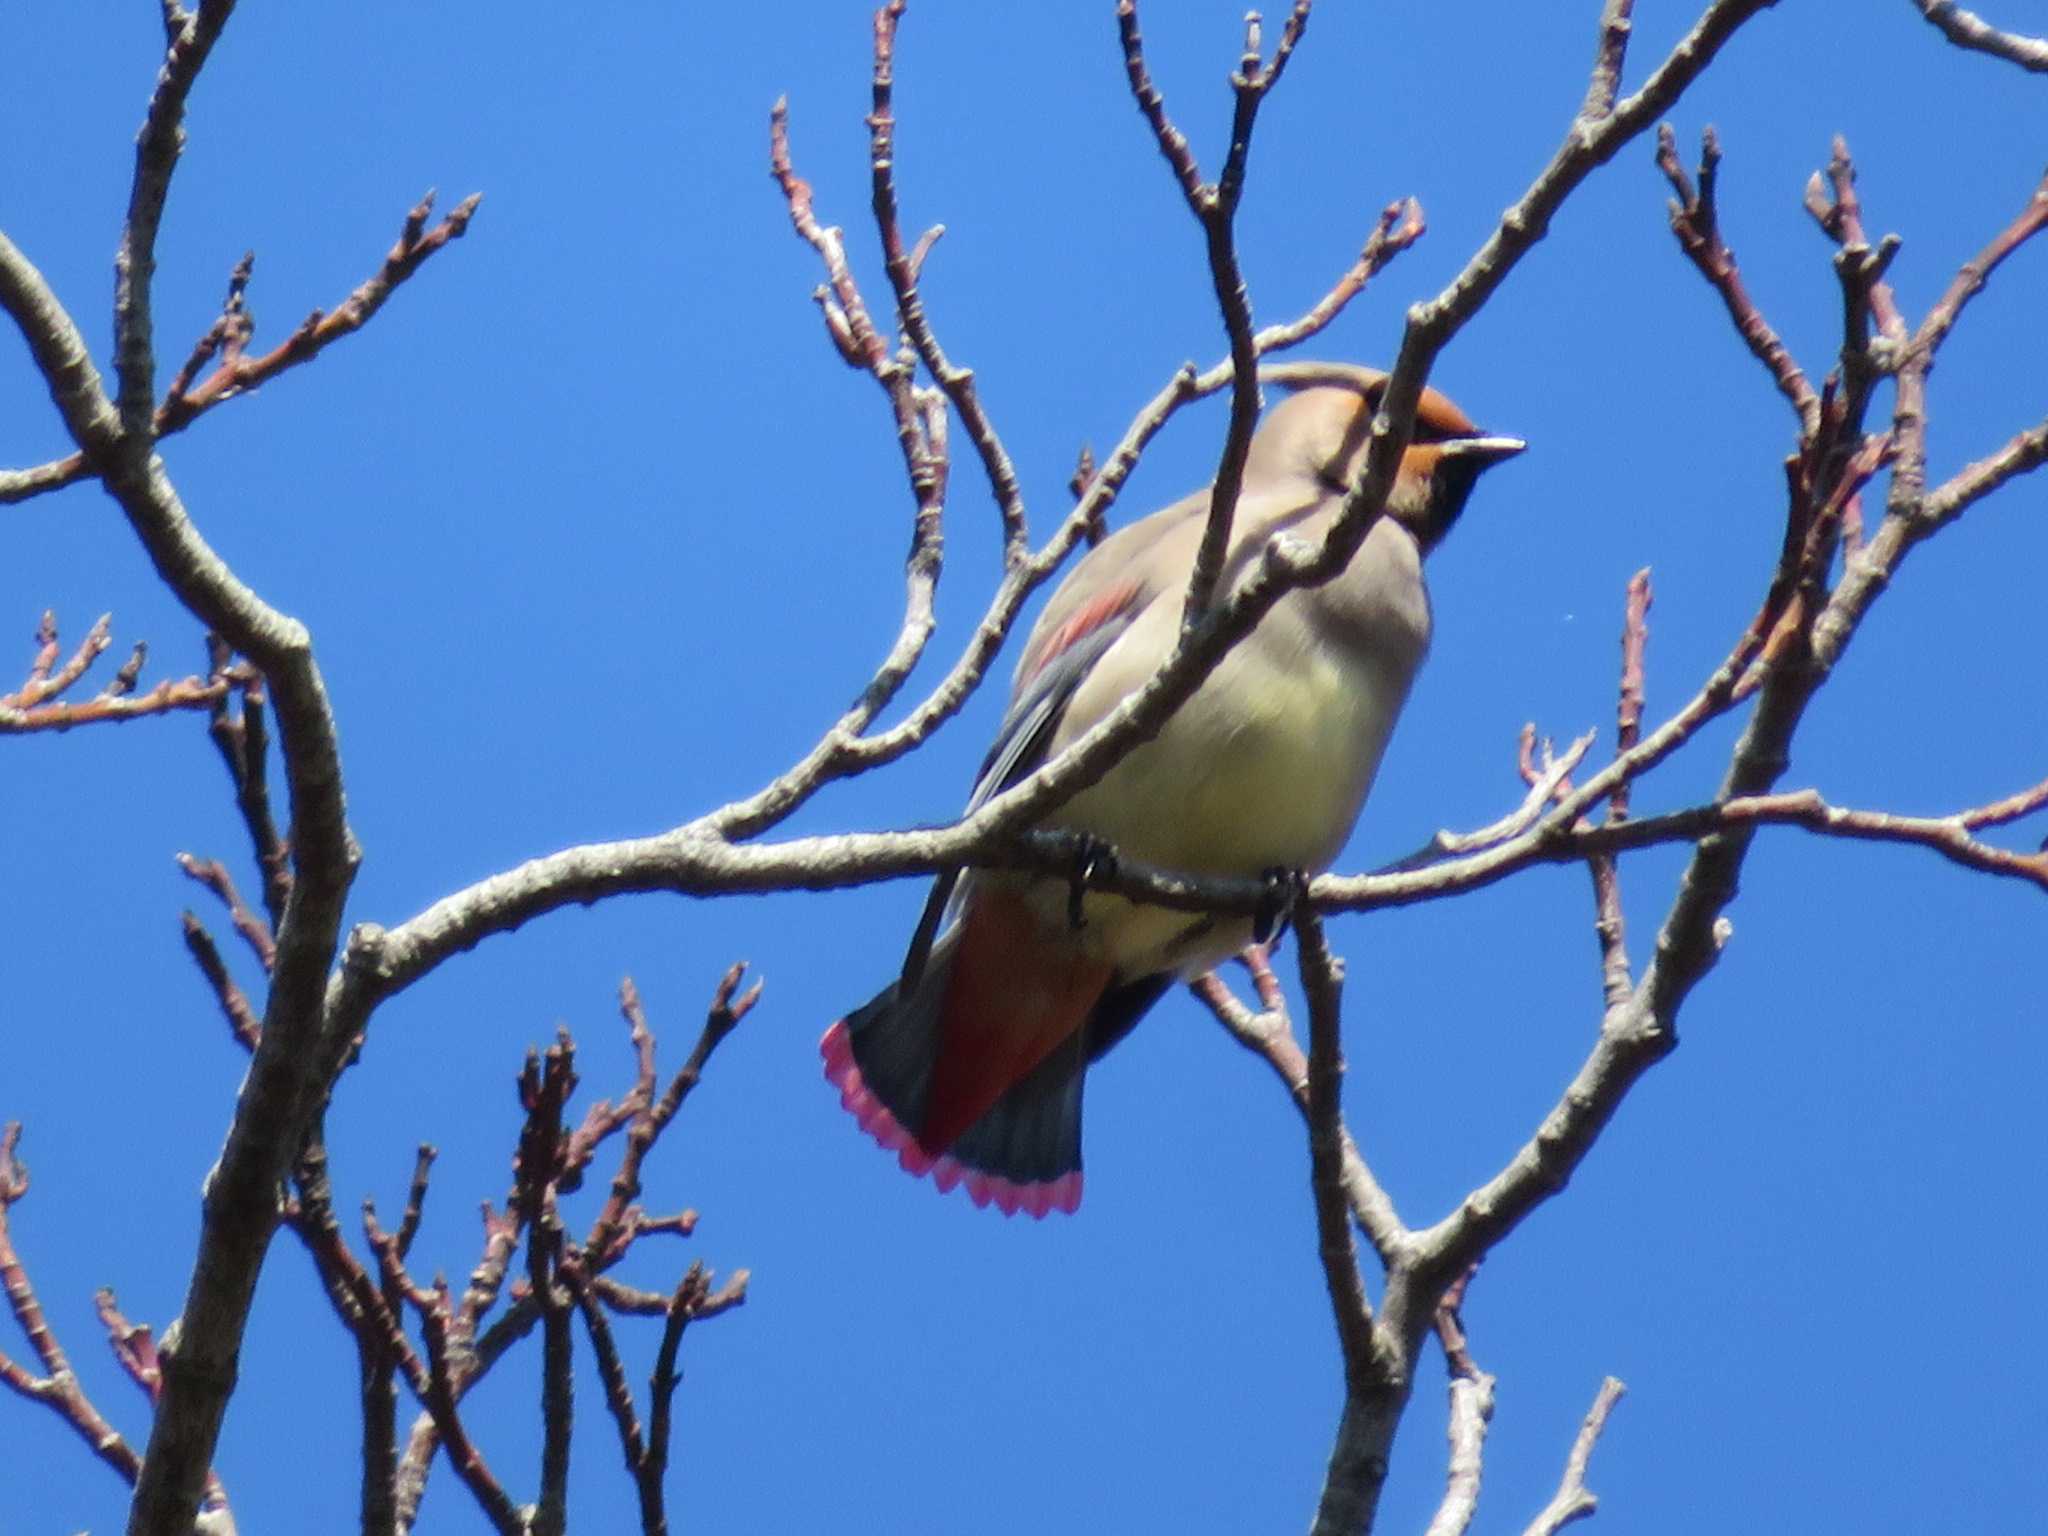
[(1110, 603)]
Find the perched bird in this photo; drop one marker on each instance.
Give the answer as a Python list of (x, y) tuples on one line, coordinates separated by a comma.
[(969, 1066)]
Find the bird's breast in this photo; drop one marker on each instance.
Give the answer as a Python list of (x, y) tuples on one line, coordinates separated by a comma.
[(1266, 766)]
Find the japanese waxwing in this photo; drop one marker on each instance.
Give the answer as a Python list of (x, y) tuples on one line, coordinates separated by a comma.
[(970, 1065)]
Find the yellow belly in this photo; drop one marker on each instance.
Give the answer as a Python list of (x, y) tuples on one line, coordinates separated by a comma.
[(1273, 780)]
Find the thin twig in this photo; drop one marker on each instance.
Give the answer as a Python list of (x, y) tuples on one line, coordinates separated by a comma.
[(239, 374), (1971, 277), (58, 1388), (214, 875), (1696, 221), (1610, 922), (904, 269), (1471, 1409), (1615, 30), (2027, 451), (1269, 1035), (38, 705), (1573, 1501), (1966, 29), (190, 396), (243, 741), (1322, 979), (1214, 205), (241, 1018)]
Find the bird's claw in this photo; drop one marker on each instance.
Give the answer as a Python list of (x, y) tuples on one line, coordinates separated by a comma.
[(1285, 889), (1094, 858)]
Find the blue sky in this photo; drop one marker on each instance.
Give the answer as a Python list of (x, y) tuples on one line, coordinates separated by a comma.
[(594, 532)]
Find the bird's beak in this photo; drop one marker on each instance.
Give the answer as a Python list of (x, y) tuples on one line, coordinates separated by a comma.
[(1483, 450)]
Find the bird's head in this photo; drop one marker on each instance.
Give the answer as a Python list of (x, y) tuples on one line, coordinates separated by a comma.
[(1323, 430)]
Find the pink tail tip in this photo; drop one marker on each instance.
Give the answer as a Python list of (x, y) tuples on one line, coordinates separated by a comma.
[(947, 1171)]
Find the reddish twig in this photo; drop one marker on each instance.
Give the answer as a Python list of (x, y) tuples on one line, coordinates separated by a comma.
[(224, 344), (646, 1455), (133, 1345), (614, 1225), (1971, 277), (243, 1022), (1695, 220), (415, 1197), (442, 1397), (237, 373), (2027, 451), (184, 693), (38, 705), (560, 1274), (59, 1389), (1450, 1326), (255, 932), (1471, 1409), (45, 678)]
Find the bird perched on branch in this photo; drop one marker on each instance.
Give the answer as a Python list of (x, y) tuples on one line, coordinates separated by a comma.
[(969, 1066)]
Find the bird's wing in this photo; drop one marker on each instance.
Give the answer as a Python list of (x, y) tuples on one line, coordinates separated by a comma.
[(1145, 563), (1090, 612)]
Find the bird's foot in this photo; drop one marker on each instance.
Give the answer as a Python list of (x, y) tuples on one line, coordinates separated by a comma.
[(1285, 889), (1094, 859)]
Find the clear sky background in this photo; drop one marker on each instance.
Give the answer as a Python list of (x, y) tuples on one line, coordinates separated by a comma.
[(595, 532)]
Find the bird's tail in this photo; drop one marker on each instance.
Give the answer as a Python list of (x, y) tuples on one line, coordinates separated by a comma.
[(972, 1073)]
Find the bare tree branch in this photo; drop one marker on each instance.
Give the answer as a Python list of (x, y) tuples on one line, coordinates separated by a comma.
[(550, 1159), (272, 1111), (1214, 205), (904, 269), (234, 1003), (1351, 1487), (1696, 221), (2026, 452), (1610, 924), (156, 156), (1616, 27), (237, 373), (1471, 1393), (1572, 1500), (1269, 1035), (1966, 29), (58, 1387), (1971, 277), (38, 704), (243, 742)]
